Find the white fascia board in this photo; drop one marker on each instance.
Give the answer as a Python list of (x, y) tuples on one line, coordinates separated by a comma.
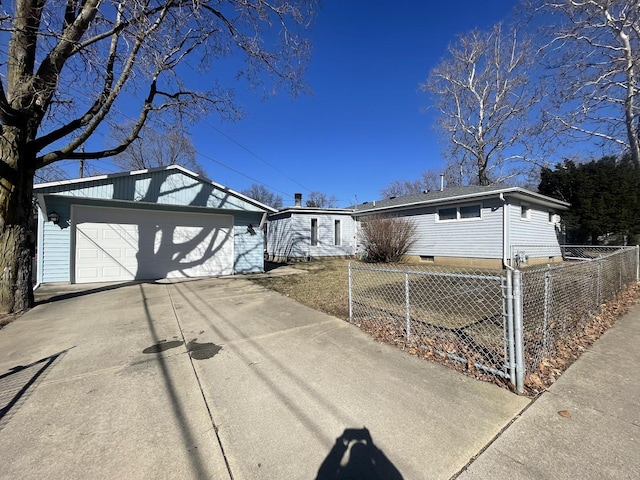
[(516, 191)]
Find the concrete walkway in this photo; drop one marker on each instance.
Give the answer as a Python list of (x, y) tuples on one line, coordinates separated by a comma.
[(222, 379), (596, 435)]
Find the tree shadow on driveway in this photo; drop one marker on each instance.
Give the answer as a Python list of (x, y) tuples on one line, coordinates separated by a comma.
[(17, 383)]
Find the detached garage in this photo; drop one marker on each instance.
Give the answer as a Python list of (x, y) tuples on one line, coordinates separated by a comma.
[(144, 225)]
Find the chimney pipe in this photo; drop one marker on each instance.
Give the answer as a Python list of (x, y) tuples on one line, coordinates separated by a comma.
[(441, 181), (298, 199)]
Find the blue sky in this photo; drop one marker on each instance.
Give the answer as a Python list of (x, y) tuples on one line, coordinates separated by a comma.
[(366, 122)]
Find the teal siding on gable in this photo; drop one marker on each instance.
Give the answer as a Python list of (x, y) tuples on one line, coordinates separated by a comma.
[(165, 187)]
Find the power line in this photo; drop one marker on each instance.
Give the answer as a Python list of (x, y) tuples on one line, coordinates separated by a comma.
[(207, 157), (205, 121)]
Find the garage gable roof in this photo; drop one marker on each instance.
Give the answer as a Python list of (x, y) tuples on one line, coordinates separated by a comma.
[(172, 185)]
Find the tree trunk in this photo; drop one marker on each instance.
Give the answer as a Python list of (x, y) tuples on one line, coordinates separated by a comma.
[(17, 239)]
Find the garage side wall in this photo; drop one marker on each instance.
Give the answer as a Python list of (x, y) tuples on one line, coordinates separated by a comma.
[(54, 255), (248, 243)]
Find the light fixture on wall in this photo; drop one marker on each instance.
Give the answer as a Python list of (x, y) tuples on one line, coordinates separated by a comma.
[(251, 230), (54, 217)]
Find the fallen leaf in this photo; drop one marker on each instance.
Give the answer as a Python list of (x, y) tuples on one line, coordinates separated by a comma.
[(564, 413)]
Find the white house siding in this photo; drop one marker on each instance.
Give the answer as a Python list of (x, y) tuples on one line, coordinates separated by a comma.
[(475, 238), (537, 231), (289, 235)]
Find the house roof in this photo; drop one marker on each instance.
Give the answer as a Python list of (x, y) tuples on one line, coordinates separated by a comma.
[(76, 182), (317, 211), (458, 195)]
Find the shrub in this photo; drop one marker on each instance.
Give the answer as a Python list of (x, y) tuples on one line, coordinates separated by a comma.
[(387, 239)]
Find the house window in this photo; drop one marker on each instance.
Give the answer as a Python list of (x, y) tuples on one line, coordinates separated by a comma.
[(525, 212), (447, 214), (466, 212), (314, 231), (337, 232), (470, 211)]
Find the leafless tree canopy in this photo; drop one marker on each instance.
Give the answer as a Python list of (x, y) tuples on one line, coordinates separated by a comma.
[(321, 200), (156, 148), (263, 195), (593, 55), (70, 67), (485, 97), (400, 188)]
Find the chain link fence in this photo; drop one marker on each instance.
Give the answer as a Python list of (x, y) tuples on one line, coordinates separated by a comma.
[(560, 303), (455, 314), (504, 323)]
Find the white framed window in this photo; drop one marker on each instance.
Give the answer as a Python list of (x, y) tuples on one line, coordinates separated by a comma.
[(337, 233), (465, 212), (314, 232), (525, 212)]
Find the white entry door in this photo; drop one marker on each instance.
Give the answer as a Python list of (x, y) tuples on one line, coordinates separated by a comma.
[(113, 244)]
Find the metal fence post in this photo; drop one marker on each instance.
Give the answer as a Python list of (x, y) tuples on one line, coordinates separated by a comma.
[(518, 330), (510, 333), (547, 310), (350, 296), (599, 293), (407, 305)]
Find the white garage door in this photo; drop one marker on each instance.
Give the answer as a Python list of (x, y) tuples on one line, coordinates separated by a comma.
[(125, 244)]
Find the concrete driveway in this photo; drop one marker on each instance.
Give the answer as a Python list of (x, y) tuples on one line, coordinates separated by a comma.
[(220, 378)]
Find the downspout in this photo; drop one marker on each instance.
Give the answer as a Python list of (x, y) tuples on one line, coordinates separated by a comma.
[(505, 233)]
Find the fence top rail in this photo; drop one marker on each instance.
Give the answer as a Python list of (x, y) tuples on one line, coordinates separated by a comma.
[(428, 273), (599, 259)]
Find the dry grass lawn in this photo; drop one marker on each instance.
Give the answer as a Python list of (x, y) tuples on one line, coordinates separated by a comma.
[(321, 285)]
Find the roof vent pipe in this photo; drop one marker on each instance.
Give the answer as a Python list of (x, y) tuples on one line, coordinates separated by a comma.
[(441, 181), (298, 199)]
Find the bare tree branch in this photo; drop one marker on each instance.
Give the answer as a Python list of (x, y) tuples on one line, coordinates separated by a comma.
[(485, 99)]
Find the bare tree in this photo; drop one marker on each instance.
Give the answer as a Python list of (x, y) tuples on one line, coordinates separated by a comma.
[(485, 98), (594, 54), (156, 147), (400, 188), (321, 200), (263, 195), (69, 69), (429, 180)]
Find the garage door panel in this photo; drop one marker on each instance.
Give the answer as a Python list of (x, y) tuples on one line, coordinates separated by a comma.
[(150, 245)]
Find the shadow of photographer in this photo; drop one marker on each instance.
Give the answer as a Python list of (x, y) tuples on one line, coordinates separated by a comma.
[(355, 456)]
